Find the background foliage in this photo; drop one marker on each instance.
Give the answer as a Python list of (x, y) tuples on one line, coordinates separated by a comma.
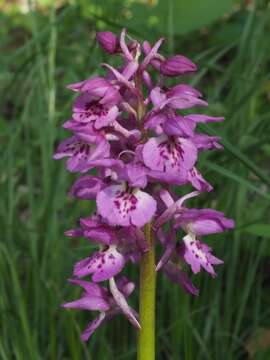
[(44, 46)]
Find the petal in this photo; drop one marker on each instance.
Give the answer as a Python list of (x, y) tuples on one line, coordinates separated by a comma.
[(182, 90), (88, 303), (178, 126), (177, 65), (120, 300), (74, 233), (124, 285), (155, 120), (169, 249), (173, 209), (86, 187), (135, 174), (211, 226), (81, 152), (197, 255), (85, 153), (107, 119), (101, 235), (120, 207), (83, 102), (157, 96), (151, 54), (180, 277), (205, 142), (184, 102), (93, 326), (92, 289), (130, 69), (206, 226), (170, 178), (96, 86), (196, 179), (124, 47), (108, 41), (147, 79), (197, 118), (65, 148), (120, 78), (157, 60), (145, 209), (205, 221), (170, 155), (102, 264), (166, 197)]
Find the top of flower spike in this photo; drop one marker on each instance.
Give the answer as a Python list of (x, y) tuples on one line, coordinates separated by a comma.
[(173, 66)]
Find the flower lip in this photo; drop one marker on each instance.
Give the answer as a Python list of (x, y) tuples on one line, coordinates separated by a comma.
[(102, 264), (87, 109), (125, 207), (170, 155), (81, 152), (198, 254)]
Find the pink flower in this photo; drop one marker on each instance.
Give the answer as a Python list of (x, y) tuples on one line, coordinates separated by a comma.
[(81, 153), (108, 302), (108, 41), (171, 155), (103, 264), (122, 206), (134, 139), (177, 65)]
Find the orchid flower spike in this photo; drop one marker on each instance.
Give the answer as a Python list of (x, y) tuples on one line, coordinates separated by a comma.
[(134, 132)]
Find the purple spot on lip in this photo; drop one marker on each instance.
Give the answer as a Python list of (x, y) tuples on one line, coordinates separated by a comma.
[(94, 108), (171, 154), (125, 202)]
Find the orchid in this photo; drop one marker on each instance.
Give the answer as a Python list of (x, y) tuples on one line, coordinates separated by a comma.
[(132, 129)]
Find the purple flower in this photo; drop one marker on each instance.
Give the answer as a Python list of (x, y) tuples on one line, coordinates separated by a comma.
[(123, 206), (87, 109), (204, 221), (163, 117), (103, 264), (96, 86), (81, 153), (108, 302), (197, 181), (86, 187), (134, 141), (176, 275), (177, 65), (108, 41), (195, 222), (94, 229), (171, 155), (198, 254), (179, 97)]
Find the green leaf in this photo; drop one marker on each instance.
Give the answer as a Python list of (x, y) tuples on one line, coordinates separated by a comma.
[(262, 230)]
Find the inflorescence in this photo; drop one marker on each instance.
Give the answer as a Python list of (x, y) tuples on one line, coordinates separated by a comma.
[(128, 127)]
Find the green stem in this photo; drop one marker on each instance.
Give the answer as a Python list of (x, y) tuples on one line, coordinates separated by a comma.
[(146, 339)]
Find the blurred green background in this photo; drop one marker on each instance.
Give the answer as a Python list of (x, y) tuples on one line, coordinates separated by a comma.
[(44, 46)]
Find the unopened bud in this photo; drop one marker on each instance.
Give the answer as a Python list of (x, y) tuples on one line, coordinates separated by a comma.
[(108, 41), (177, 65)]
